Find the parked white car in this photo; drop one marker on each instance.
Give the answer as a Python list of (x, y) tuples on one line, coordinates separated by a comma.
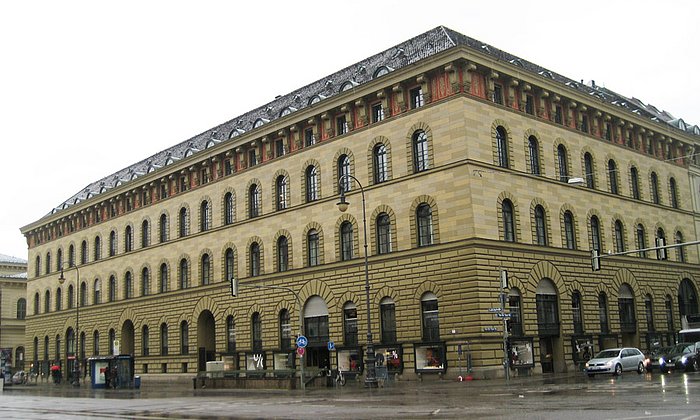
[(616, 361)]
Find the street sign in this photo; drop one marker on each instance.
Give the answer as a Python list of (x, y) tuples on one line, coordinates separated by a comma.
[(495, 310), (331, 346), (302, 341), (490, 329), (300, 351), (503, 315)]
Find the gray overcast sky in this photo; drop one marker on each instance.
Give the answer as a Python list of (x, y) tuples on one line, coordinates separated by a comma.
[(90, 87)]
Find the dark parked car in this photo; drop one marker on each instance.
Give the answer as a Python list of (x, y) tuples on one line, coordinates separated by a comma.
[(682, 356), (652, 362)]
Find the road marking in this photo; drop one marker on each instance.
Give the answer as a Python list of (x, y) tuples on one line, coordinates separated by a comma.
[(645, 417)]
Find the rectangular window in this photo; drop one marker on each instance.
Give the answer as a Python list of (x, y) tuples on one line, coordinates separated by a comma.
[(279, 147), (584, 124), (416, 97), (204, 176), (377, 112), (498, 94), (530, 105), (309, 138), (558, 115), (227, 167), (183, 183), (341, 125), (252, 158), (163, 191)]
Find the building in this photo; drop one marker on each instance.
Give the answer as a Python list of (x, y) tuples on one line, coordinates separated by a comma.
[(13, 310), (464, 154)]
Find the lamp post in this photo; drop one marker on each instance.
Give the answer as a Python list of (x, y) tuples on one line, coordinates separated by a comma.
[(371, 378), (76, 367)]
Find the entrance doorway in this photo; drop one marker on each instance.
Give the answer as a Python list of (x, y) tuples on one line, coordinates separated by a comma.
[(206, 340), (547, 354), (316, 331)]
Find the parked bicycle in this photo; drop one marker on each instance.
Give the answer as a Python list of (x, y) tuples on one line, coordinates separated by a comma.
[(339, 377)]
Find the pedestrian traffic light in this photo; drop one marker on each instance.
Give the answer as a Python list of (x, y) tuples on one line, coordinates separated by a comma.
[(660, 249), (595, 260)]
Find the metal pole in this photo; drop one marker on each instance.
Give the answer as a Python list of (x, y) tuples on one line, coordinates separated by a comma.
[(76, 368), (505, 332)]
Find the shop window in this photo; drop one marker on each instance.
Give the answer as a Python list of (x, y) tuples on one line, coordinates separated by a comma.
[(430, 358)]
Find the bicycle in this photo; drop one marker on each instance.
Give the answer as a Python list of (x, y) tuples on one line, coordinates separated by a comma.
[(339, 378)]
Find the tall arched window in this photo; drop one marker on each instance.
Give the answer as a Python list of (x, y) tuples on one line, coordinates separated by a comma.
[(603, 313), (533, 148), (228, 208), (145, 234), (112, 288), (71, 298), (595, 234), (387, 313), (256, 332), (430, 318), (350, 324), (540, 226), (21, 308), (346, 235), (83, 294), (229, 264), (204, 216), (687, 298), (680, 253), (254, 259), (145, 338), (163, 228), (48, 263), (634, 180), (282, 254), (163, 278), (625, 301), (285, 332), (619, 237), (71, 249), (164, 339), (424, 224), (563, 162), (641, 240), (97, 249), (612, 174), (253, 201), (59, 259), (502, 147), (59, 299), (184, 222), (112, 248), (508, 221), (569, 230), (206, 269), (230, 334), (97, 292), (145, 282), (47, 302), (420, 151), (282, 191), (515, 323), (184, 338), (576, 312), (184, 274), (128, 239), (381, 163), (96, 342), (128, 285), (673, 191), (649, 312), (311, 183), (588, 167), (383, 227), (344, 172), (655, 188), (313, 247), (36, 303), (83, 252)]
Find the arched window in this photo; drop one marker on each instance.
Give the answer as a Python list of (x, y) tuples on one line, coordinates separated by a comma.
[(502, 147), (687, 298), (145, 282), (350, 324), (71, 250), (228, 265), (96, 342), (634, 180), (37, 266), (346, 236), (563, 162), (655, 188), (47, 302), (344, 173), (228, 208), (206, 269), (112, 338), (282, 254), (97, 292), (230, 334), (628, 319), (547, 307), (668, 309), (540, 226), (163, 228), (595, 234), (569, 230), (420, 151), (184, 274), (204, 216), (112, 248), (59, 259), (184, 222), (515, 323), (59, 299), (430, 318), (128, 239), (163, 278), (21, 308), (184, 338), (387, 314), (612, 174), (508, 221), (254, 259), (145, 341), (649, 312), (83, 294), (282, 191), (673, 191), (256, 332), (71, 299), (424, 224), (145, 234), (48, 263), (112, 288), (253, 201), (313, 247), (36, 303), (128, 286), (164, 339), (576, 312), (680, 253), (619, 237), (383, 224), (534, 148), (97, 249), (381, 163), (285, 331), (311, 184), (641, 240), (84, 252)]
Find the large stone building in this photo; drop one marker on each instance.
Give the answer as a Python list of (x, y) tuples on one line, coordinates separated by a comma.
[(13, 310), (464, 154)]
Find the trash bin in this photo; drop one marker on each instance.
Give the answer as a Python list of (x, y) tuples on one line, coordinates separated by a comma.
[(137, 382)]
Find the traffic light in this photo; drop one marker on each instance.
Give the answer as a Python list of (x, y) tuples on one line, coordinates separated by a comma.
[(234, 286), (661, 251), (595, 260)]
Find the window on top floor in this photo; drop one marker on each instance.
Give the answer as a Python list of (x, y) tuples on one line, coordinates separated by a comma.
[(341, 125), (279, 147), (558, 115), (183, 183), (584, 123), (252, 158), (498, 93), (163, 191), (416, 95), (377, 112), (530, 104), (309, 138)]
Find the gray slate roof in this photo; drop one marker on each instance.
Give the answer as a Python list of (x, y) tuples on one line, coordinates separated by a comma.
[(413, 50), (7, 259)]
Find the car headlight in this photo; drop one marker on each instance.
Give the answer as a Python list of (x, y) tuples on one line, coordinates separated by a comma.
[(684, 359), (586, 364), (662, 361), (609, 364)]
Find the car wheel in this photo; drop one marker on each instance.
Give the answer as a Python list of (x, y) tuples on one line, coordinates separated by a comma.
[(695, 366), (640, 368), (618, 370)]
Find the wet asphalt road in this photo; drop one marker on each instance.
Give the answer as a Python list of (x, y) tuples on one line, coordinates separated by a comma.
[(572, 396)]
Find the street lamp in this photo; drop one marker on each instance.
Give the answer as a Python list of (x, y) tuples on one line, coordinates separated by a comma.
[(371, 378), (76, 367)]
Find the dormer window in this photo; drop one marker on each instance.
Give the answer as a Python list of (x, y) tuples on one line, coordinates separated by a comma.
[(258, 123), (381, 71)]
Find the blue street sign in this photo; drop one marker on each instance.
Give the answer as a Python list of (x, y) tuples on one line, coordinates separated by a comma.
[(302, 341), (331, 346)]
